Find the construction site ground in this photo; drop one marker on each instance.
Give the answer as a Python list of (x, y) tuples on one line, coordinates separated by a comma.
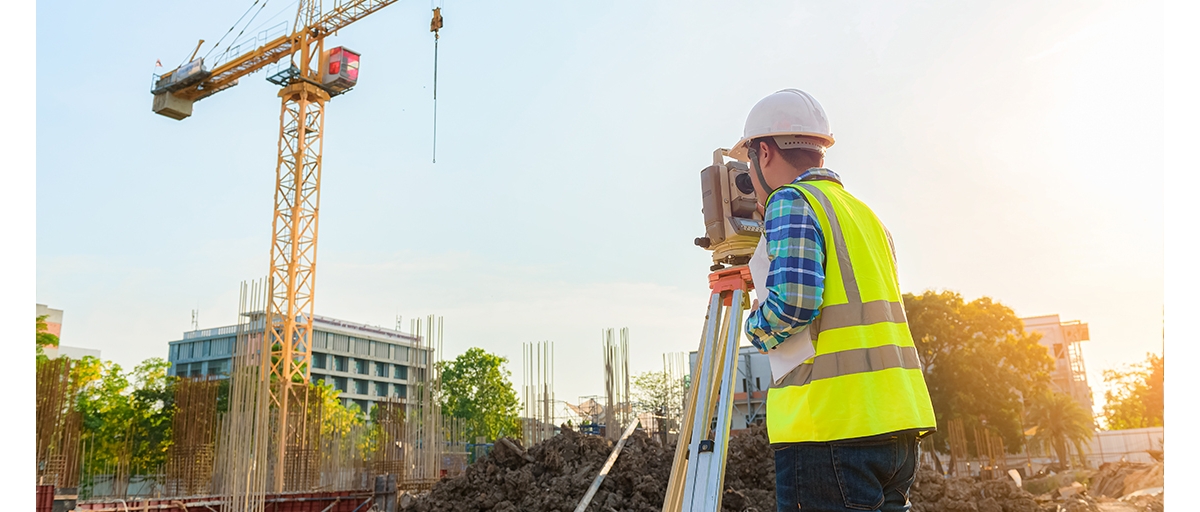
[(555, 474)]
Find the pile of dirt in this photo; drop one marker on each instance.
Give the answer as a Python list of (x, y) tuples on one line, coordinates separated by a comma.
[(554, 475), (749, 473), (931, 492), (1117, 479)]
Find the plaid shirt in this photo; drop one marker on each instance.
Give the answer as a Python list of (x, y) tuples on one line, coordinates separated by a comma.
[(796, 281)]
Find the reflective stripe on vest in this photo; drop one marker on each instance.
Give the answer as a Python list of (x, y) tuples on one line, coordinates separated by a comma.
[(866, 377)]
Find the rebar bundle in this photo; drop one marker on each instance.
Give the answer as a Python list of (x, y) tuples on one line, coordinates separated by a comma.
[(344, 459), (958, 448), (423, 436), (989, 446), (388, 454), (241, 472), (676, 370), (538, 391), (302, 456), (57, 424), (190, 461), (617, 410)]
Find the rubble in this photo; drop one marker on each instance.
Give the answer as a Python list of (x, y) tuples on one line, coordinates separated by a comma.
[(1117, 479), (555, 474), (561, 470), (931, 492)]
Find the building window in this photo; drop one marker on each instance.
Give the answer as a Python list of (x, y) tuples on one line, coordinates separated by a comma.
[(320, 339), (341, 342), (360, 386), (381, 389), (360, 367), (319, 361), (381, 370), (181, 370), (399, 372), (339, 383), (205, 348), (400, 354), (400, 390), (362, 347), (174, 352), (318, 379), (216, 367), (195, 371), (340, 363), (362, 405)]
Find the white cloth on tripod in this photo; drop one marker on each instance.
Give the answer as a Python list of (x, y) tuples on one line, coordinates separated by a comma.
[(786, 356)]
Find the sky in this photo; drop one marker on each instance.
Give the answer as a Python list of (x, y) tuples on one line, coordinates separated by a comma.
[(1013, 149)]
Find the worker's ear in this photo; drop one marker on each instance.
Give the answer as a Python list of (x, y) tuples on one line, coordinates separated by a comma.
[(766, 154)]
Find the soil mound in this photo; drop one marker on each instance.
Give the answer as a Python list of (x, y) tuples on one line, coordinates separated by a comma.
[(933, 493), (554, 475)]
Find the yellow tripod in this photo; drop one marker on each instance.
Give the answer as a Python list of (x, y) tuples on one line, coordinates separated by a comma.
[(698, 470)]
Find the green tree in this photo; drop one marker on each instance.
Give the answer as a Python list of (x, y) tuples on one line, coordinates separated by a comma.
[(657, 393), (476, 388), (125, 416), (1060, 420), (1135, 395), (978, 362), (336, 418), (152, 398)]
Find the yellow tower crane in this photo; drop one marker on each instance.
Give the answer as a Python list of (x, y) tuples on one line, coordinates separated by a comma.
[(312, 76)]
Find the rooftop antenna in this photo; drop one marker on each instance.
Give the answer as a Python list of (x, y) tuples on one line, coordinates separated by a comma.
[(196, 319)]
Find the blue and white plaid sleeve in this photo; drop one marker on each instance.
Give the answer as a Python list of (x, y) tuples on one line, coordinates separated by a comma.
[(796, 249)]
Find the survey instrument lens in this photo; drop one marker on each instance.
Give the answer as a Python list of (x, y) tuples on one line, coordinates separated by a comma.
[(742, 180)]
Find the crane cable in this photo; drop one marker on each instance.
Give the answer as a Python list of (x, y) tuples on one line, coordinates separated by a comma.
[(434, 26), (235, 38), (231, 27)]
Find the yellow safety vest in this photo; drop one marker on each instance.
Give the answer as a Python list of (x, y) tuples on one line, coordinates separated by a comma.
[(865, 378)]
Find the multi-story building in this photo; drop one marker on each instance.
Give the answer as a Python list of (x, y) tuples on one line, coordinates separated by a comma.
[(366, 363), (1061, 340)]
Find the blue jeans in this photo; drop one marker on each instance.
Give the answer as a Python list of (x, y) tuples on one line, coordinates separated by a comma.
[(873, 474)]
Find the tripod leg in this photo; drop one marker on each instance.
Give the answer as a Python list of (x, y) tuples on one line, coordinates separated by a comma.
[(673, 501), (703, 403), (716, 479)]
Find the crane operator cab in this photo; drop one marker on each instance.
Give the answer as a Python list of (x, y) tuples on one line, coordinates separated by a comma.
[(339, 70)]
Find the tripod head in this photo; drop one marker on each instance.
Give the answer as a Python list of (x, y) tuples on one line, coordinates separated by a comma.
[(732, 224)]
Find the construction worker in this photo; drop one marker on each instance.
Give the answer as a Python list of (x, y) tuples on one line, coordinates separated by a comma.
[(845, 423)]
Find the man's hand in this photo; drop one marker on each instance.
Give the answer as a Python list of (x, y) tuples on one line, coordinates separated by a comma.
[(754, 305)]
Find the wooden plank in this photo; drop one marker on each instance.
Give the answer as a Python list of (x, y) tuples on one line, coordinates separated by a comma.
[(612, 458)]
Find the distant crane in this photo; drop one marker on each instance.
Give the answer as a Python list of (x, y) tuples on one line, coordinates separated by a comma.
[(312, 77)]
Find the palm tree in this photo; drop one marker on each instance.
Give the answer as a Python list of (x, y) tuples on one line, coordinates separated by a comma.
[(1061, 420)]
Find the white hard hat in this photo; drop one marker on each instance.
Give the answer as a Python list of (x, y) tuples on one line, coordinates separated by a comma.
[(793, 117)]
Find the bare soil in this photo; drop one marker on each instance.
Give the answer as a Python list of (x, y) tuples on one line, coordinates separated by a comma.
[(562, 469)]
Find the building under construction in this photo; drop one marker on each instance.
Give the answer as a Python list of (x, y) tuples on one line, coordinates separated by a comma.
[(1062, 341)]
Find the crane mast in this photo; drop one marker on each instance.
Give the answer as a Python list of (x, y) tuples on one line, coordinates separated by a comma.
[(290, 283)]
